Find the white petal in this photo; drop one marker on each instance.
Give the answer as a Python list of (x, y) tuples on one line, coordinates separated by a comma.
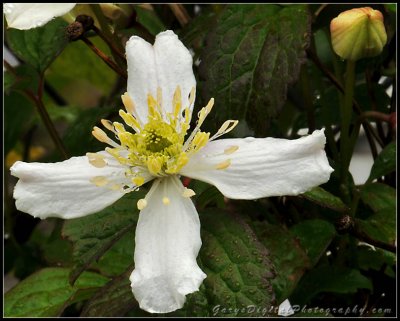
[(31, 15), (262, 167), (167, 243), (285, 309), (64, 189), (166, 65), (174, 68), (142, 74)]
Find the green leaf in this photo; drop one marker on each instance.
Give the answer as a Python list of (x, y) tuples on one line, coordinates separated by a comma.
[(325, 199), (314, 236), (391, 6), (79, 139), (39, 46), (378, 196), (289, 259), (252, 54), (93, 235), (112, 300), (119, 256), (206, 195), (375, 259), (149, 19), (18, 112), (80, 76), (9, 81), (385, 163), (193, 34), (47, 293), (381, 225), (236, 263), (237, 268), (328, 278)]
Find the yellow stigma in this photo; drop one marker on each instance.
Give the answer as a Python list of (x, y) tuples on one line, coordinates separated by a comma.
[(157, 145)]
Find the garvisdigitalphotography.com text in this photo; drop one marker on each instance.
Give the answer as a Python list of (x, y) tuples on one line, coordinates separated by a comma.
[(220, 310)]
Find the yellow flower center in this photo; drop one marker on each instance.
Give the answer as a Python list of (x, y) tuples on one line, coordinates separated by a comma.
[(158, 146)]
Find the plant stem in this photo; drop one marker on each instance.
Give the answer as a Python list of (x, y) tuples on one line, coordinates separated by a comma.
[(346, 113), (308, 101), (104, 57), (108, 35), (180, 13), (37, 99), (369, 132), (365, 238), (110, 44), (46, 118)]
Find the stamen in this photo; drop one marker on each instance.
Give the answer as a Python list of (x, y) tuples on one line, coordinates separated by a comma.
[(154, 165), (225, 164), (101, 136), (225, 128), (138, 180), (141, 204), (231, 150), (119, 127), (166, 200), (199, 141), (192, 95), (99, 180), (115, 153), (153, 108), (177, 101), (204, 112), (187, 192), (159, 99), (108, 124), (130, 121), (128, 103)]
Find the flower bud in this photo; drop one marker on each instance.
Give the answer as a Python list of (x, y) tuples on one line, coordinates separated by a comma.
[(358, 33)]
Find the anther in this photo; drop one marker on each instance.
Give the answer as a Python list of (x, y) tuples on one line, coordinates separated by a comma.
[(231, 150), (99, 180), (188, 192), (141, 204), (166, 200), (96, 160), (225, 164)]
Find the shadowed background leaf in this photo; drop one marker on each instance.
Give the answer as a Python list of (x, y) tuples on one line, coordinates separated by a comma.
[(251, 56)]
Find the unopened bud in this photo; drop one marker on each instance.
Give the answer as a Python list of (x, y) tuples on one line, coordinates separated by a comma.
[(86, 21), (358, 33), (344, 224), (74, 31)]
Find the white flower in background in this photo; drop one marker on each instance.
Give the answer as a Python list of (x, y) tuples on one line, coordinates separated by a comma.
[(32, 15), (285, 309), (159, 103)]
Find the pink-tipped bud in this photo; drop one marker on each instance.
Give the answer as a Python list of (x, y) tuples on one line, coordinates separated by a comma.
[(358, 33)]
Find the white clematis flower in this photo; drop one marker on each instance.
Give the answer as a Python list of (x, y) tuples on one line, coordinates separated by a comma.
[(25, 16), (159, 103)]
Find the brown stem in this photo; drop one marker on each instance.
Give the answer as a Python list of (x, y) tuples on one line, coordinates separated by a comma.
[(376, 115), (180, 13), (37, 99), (321, 7), (367, 239), (109, 43), (372, 97), (347, 224), (104, 57), (146, 34)]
